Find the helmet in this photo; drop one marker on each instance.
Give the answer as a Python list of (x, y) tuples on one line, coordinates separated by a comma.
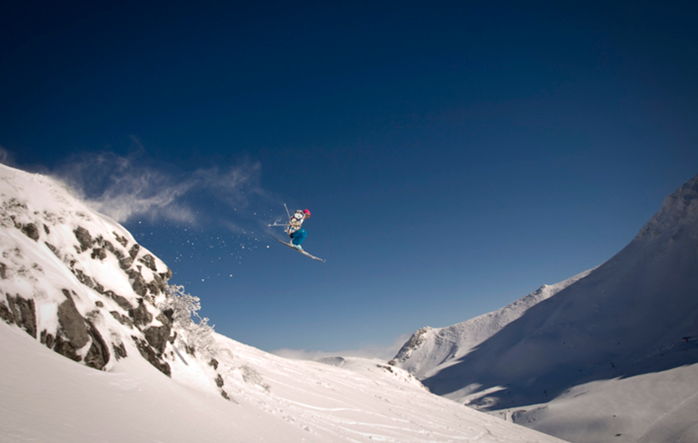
[(307, 212)]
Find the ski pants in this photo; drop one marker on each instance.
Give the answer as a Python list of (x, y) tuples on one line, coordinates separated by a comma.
[(298, 236)]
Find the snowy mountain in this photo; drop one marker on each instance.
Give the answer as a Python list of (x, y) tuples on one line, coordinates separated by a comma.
[(75, 284), (431, 349), (631, 322)]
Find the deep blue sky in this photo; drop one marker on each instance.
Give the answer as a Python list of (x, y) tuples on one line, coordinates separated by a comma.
[(455, 156)]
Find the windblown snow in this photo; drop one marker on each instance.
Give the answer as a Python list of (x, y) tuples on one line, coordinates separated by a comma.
[(98, 346)]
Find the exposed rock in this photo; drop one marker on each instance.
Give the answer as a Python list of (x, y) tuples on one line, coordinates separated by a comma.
[(124, 320), (99, 304), (3, 271), (149, 354), (137, 282), (53, 249), (83, 278), (165, 317), (125, 262), (84, 238), (213, 363), (157, 337), (6, 313), (149, 261), (119, 350), (225, 395), (219, 381), (66, 349), (98, 355), (72, 324), (98, 287), (99, 253), (133, 252), (47, 339), (121, 301), (123, 241), (47, 230), (31, 231), (140, 315), (166, 275), (154, 288), (24, 313)]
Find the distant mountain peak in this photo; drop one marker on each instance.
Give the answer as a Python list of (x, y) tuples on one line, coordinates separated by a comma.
[(429, 348), (679, 211), (632, 315)]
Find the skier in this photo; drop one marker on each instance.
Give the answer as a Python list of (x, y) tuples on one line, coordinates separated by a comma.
[(295, 230)]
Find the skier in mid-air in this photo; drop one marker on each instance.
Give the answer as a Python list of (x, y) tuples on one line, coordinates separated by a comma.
[(295, 229)]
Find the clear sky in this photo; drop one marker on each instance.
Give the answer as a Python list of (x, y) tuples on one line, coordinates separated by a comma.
[(455, 155)]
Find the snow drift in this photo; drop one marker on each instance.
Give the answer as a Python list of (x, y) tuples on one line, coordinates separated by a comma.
[(75, 284)]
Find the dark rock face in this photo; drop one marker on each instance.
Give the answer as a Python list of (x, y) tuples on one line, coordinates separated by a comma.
[(140, 315), (137, 282), (157, 337), (123, 319), (3, 271), (219, 381), (53, 249), (98, 355), (149, 354), (72, 324), (31, 231), (99, 253), (133, 252), (121, 301), (119, 351), (6, 314), (84, 238), (149, 261), (47, 339), (23, 313), (123, 241), (64, 348), (83, 278)]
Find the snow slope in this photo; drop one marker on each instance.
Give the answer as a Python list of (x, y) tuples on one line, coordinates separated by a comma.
[(75, 284), (430, 350), (647, 408), (611, 355)]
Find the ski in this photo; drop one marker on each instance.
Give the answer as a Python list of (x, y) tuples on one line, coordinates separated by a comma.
[(301, 251)]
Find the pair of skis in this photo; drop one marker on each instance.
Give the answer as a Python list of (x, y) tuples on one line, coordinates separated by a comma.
[(291, 245)]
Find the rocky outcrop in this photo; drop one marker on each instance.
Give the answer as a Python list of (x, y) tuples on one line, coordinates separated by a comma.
[(84, 238), (31, 231), (72, 325), (20, 311), (78, 282), (153, 357)]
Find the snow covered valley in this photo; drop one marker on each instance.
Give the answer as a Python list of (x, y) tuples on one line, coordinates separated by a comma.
[(97, 346)]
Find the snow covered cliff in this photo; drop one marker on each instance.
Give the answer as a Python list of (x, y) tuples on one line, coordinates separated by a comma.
[(77, 281), (75, 284)]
